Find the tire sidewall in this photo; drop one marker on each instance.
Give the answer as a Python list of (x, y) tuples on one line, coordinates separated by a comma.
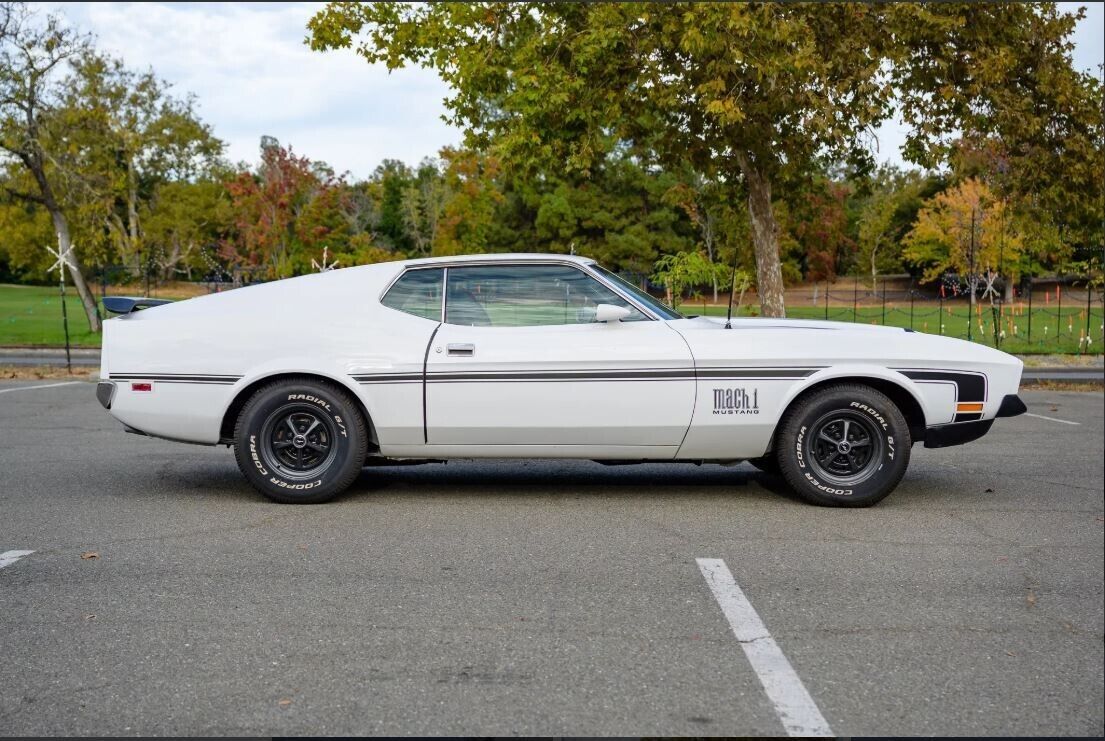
[(887, 420), (327, 402)]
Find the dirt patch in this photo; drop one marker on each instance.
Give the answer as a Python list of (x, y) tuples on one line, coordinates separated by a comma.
[(1045, 385), (37, 372), (1062, 361)]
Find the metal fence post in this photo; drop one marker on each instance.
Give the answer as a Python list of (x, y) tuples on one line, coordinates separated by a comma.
[(911, 307), (855, 299), (826, 298), (940, 320), (884, 302), (1089, 309), (1030, 310), (1059, 312)]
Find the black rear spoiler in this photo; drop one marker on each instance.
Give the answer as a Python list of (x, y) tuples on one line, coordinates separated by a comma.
[(126, 305)]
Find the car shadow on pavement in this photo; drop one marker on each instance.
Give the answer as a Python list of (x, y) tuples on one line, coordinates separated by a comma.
[(578, 478)]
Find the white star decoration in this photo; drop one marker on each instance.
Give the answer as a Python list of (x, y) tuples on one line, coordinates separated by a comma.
[(324, 268), (62, 261), (990, 277)]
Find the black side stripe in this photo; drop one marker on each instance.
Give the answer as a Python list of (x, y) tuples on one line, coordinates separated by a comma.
[(970, 386), (665, 374), (176, 378)]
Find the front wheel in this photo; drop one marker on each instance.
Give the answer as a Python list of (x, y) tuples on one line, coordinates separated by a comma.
[(300, 441), (843, 446)]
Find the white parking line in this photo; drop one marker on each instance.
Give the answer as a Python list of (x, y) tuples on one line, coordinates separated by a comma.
[(1051, 419), (41, 386), (7, 558), (793, 704)]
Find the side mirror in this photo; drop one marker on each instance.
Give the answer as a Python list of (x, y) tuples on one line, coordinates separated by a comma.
[(610, 313)]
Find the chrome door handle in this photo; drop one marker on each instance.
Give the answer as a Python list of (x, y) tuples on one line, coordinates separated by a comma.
[(464, 349)]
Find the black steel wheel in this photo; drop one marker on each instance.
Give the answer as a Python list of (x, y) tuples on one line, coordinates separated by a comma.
[(844, 448), (845, 445), (298, 440)]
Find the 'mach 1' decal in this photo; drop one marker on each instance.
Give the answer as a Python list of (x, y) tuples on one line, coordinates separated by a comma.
[(736, 401)]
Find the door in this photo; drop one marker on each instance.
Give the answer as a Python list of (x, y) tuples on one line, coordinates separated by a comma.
[(521, 361)]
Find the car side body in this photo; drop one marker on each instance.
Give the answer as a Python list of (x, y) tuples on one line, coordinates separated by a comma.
[(660, 388)]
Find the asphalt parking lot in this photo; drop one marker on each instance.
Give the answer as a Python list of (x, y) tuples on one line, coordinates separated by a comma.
[(554, 598)]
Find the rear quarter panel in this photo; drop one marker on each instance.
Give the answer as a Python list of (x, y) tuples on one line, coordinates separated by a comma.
[(329, 325)]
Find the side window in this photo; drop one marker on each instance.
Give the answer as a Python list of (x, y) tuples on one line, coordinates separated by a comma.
[(418, 292), (526, 296)]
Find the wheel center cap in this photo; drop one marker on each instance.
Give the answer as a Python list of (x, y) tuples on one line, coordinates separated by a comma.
[(299, 441), (843, 446)]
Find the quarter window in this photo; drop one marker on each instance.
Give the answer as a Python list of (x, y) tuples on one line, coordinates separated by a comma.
[(526, 296), (418, 292)]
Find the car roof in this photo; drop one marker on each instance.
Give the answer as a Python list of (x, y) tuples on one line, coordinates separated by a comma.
[(500, 257)]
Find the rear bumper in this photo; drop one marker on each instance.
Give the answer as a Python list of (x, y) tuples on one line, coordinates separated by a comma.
[(105, 393)]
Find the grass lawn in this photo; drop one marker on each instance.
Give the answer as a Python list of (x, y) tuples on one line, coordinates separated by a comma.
[(31, 316)]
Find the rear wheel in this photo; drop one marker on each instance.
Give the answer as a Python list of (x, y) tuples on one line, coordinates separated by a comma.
[(843, 446), (300, 441)]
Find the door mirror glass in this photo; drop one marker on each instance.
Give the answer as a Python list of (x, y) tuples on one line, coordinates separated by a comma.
[(610, 313)]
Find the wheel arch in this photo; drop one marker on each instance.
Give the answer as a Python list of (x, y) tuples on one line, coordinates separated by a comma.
[(230, 416), (899, 392)]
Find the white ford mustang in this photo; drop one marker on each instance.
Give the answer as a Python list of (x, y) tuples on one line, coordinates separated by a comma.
[(534, 356)]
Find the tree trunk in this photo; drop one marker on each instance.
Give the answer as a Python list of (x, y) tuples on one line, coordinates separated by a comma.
[(1008, 289), (88, 301), (132, 206), (765, 240), (874, 268), (708, 237)]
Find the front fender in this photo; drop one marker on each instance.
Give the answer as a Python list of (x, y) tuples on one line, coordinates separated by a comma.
[(932, 403)]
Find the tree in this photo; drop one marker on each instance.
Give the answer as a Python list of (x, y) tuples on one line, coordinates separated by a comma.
[(1030, 125), (127, 137), (33, 56), (423, 202), (967, 230), (741, 92), (708, 204), (683, 270), (182, 218), (818, 221), (885, 215), (468, 217), (267, 207)]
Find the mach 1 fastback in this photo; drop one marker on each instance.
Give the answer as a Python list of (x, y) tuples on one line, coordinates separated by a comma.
[(313, 378)]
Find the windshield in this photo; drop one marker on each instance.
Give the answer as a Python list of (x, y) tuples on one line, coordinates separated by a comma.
[(658, 308)]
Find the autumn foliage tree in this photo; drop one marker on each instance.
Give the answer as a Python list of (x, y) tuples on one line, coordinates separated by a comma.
[(966, 230)]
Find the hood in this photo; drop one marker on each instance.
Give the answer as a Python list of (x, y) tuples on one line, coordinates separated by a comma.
[(709, 322)]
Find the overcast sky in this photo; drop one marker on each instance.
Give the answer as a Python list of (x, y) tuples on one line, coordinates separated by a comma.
[(252, 75)]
